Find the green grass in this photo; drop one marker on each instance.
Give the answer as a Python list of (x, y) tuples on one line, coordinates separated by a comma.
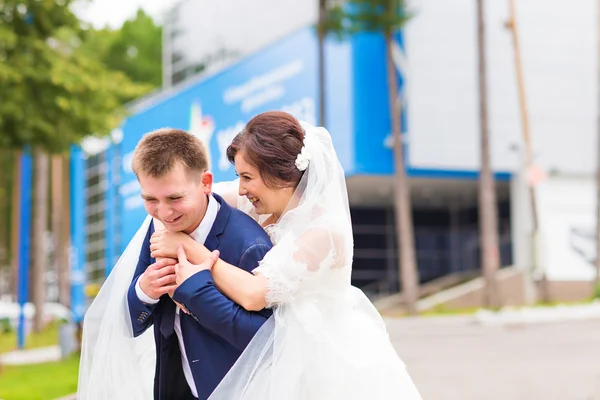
[(443, 310), (47, 337), (596, 292), (39, 381), (434, 312)]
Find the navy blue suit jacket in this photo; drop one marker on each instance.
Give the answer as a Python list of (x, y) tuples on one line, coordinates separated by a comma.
[(217, 330)]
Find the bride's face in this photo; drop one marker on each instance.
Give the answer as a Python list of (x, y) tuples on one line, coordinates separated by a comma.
[(265, 200)]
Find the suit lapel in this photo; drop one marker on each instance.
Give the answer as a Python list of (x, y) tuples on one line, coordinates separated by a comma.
[(212, 240)]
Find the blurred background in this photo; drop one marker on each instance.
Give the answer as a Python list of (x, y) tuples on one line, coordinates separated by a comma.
[(468, 131)]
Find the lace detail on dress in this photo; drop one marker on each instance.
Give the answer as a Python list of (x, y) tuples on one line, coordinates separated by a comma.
[(281, 286), (284, 277), (274, 232)]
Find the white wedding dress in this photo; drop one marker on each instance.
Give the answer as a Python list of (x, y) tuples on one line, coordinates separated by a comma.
[(325, 340)]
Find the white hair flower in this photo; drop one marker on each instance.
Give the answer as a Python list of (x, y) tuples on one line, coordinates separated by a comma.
[(303, 159)]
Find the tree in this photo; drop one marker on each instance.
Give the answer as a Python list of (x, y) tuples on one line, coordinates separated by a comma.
[(488, 211), (39, 227), (6, 172), (321, 33), (133, 49), (61, 226), (53, 95), (331, 19), (597, 281), (386, 17)]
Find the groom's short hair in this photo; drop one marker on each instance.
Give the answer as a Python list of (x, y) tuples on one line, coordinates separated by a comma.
[(158, 152)]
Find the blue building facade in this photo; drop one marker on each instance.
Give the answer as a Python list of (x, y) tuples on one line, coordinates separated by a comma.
[(283, 76)]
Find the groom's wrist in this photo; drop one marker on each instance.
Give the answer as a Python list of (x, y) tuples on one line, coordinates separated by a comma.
[(143, 297)]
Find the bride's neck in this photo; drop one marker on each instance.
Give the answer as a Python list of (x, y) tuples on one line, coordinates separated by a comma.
[(272, 219)]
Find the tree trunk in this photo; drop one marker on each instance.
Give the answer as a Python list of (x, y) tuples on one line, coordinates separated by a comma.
[(4, 193), (321, 48), (56, 190), (60, 261), (64, 243), (15, 224), (40, 219), (409, 279), (597, 283), (488, 212)]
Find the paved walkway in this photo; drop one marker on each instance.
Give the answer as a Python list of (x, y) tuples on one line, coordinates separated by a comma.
[(514, 356), (31, 356), (458, 359)]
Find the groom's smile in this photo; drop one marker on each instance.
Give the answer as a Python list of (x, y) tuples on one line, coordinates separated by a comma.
[(172, 221), (178, 198)]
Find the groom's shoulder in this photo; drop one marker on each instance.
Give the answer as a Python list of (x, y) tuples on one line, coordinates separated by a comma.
[(244, 227)]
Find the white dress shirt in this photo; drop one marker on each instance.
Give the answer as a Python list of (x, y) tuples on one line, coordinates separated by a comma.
[(199, 235)]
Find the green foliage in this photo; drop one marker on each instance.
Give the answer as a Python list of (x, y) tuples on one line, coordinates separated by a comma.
[(596, 292), (5, 326), (134, 49), (356, 16), (52, 94), (47, 337)]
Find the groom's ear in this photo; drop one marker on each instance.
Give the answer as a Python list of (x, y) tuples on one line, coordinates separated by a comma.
[(207, 182)]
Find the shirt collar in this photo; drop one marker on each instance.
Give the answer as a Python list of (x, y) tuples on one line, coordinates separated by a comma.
[(202, 231)]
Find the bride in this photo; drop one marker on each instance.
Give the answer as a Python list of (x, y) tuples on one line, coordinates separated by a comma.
[(325, 339)]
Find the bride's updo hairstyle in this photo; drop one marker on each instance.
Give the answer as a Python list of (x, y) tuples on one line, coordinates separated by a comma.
[(271, 142)]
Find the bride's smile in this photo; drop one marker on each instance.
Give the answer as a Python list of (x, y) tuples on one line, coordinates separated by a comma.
[(265, 199)]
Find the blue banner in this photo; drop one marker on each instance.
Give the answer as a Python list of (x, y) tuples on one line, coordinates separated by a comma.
[(280, 77)]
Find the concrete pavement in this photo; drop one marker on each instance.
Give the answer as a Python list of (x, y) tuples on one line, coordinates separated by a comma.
[(457, 359), (31, 356)]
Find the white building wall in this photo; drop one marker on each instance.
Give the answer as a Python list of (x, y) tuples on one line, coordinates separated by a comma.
[(559, 48), (213, 32), (559, 51)]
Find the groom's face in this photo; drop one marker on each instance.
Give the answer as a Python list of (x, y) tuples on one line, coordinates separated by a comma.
[(177, 199)]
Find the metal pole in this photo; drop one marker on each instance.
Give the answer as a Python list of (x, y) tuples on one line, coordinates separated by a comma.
[(24, 240), (77, 253), (109, 252), (535, 238)]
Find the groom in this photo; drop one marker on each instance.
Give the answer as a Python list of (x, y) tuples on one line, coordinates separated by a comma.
[(194, 349)]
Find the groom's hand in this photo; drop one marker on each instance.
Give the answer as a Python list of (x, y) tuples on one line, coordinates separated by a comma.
[(159, 278), (164, 243), (184, 269)]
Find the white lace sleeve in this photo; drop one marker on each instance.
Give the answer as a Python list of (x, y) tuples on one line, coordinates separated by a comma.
[(306, 266)]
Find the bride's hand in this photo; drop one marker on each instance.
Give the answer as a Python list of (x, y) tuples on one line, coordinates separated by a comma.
[(164, 243), (184, 269)]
